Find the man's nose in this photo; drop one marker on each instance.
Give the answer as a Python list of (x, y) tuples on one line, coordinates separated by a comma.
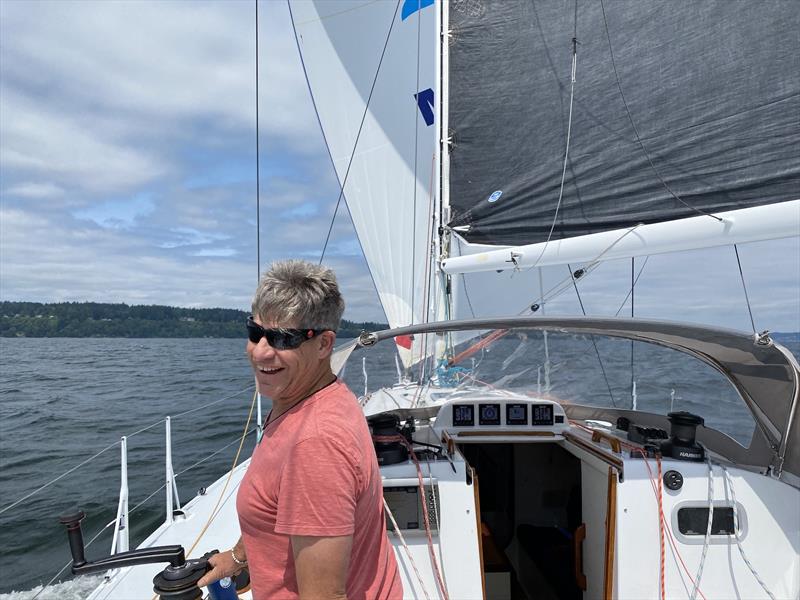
[(262, 349)]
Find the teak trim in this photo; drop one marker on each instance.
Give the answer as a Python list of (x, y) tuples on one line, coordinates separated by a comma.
[(611, 534), (501, 433), (607, 457), (476, 492)]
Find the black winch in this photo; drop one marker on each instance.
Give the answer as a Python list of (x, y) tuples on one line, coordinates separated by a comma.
[(681, 444), (389, 452), (178, 581)]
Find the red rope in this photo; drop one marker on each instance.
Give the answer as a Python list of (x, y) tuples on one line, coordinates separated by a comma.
[(661, 528), (663, 525), (426, 517)]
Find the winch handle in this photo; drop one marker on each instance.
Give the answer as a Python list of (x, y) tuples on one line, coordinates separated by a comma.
[(175, 555)]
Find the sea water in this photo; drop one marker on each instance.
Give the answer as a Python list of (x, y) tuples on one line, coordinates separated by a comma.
[(66, 402)]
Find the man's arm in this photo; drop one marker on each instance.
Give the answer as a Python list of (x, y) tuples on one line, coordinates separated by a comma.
[(321, 566), (224, 565)]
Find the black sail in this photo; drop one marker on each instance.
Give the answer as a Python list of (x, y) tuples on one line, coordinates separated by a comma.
[(680, 108)]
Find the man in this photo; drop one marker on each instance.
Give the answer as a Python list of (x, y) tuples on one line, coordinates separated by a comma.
[(311, 503)]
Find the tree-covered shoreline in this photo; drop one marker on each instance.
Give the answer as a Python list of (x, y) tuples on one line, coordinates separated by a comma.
[(95, 319)]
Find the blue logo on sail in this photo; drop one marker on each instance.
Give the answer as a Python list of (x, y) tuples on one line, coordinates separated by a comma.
[(412, 6), (495, 196), (425, 104)]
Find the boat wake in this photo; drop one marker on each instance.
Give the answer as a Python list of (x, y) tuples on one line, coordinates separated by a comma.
[(75, 589)]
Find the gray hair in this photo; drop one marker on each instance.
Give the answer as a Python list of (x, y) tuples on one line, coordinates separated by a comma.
[(301, 294)]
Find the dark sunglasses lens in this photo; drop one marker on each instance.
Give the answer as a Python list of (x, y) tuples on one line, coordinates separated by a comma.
[(254, 332), (282, 339)]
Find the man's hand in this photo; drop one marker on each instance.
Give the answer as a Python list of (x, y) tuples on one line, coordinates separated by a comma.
[(321, 565), (223, 565)]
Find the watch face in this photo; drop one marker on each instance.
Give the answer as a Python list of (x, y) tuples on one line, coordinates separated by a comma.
[(516, 414), (542, 414), (463, 415), (489, 414)]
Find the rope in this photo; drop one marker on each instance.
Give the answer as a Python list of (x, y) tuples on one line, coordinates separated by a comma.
[(406, 548), (760, 581), (744, 287), (425, 514), (707, 539), (363, 117), (214, 512), (661, 530), (636, 131), (569, 136), (662, 519)]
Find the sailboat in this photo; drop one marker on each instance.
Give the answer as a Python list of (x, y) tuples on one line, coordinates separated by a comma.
[(475, 143)]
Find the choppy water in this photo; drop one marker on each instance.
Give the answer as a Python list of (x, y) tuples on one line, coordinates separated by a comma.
[(64, 401)]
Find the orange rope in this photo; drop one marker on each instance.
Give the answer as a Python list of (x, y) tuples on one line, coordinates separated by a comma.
[(661, 528), (663, 525), (426, 517)]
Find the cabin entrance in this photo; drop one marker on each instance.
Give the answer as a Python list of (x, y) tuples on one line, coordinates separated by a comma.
[(530, 513)]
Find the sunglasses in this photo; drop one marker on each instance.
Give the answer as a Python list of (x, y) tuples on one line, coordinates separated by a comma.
[(280, 339)]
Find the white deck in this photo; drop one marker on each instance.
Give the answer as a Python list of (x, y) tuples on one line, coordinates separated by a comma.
[(136, 582)]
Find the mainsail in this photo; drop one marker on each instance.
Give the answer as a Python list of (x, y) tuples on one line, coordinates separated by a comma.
[(679, 110)]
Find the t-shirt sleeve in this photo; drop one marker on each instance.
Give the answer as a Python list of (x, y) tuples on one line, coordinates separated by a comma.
[(318, 490)]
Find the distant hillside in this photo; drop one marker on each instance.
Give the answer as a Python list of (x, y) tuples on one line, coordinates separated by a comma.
[(92, 319)]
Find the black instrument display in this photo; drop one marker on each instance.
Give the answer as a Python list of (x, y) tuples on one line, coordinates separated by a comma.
[(542, 414), (463, 415), (489, 414), (516, 414)]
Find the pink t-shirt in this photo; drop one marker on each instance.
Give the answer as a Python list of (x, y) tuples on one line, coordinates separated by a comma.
[(315, 473)]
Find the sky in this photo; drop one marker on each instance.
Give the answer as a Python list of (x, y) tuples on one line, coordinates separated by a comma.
[(127, 173)]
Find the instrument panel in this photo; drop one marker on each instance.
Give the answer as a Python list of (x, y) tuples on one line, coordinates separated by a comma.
[(500, 417)]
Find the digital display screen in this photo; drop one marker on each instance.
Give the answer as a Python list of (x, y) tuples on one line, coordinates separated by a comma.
[(489, 414), (516, 414), (463, 415), (542, 414)]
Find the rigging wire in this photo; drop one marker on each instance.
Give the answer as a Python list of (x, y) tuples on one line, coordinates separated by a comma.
[(416, 151), (636, 130), (52, 481), (630, 291), (91, 458), (258, 170), (363, 116), (744, 287), (594, 341), (633, 299), (66, 566)]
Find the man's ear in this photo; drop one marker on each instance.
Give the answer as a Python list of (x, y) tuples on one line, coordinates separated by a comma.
[(327, 339)]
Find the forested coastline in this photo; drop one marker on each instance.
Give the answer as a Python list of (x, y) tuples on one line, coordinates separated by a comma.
[(94, 319)]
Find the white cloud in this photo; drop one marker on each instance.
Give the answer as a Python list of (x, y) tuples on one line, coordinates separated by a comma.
[(34, 190)]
